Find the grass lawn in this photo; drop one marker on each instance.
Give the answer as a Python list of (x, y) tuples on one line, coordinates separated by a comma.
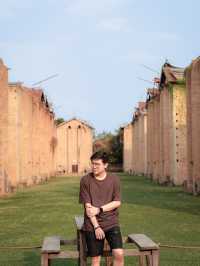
[(166, 214)]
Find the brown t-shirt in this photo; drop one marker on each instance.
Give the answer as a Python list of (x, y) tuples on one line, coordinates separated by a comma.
[(99, 193)]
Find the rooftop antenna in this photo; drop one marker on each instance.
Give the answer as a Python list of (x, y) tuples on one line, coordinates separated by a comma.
[(41, 81), (145, 80), (151, 69)]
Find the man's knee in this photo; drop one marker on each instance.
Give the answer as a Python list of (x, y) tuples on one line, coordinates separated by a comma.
[(96, 260), (118, 254)]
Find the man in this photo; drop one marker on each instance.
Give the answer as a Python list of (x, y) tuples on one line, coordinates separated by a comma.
[(100, 194)]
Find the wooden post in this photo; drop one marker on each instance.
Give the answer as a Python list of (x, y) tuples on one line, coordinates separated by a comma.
[(44, 260), (82, 248), (141, 260), (155, 257), (108, 258), (149, 260)]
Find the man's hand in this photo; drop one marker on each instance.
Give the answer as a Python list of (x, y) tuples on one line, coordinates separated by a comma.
[(91, 210), (99, 233)]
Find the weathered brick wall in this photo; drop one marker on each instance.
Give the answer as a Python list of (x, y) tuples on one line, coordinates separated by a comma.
[(75, 140), (165, 129), (153, 136), (189, 179), (156, 138), (31, 131), (140, 143), (150, 139), (4, 182), (193, 109), (135, 147), (179, 156), (128, 148)]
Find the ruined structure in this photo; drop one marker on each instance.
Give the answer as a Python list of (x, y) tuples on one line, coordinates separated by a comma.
[(28, 135), (139, 142), (193, 126), (75, 139), (173, 145), (4, 184), (153, 134), (128, 148)]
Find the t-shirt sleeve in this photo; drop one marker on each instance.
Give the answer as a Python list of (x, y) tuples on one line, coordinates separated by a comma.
[(117, 190), (84, 196)]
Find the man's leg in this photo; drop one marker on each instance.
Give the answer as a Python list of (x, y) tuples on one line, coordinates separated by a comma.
[(95, 248), (96, 261), (114, 239), (118, 257)]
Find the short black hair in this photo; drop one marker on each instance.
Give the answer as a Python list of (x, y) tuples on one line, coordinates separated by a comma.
[(100, 155)]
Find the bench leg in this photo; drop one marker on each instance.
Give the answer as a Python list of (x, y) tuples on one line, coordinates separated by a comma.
[(45, 260), (82, 249), (141, 260), (108, 259), (155, 257), (149, 260)]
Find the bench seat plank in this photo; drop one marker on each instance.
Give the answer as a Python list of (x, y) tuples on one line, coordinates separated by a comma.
[(79, 221), (143, 242), (51, 244)]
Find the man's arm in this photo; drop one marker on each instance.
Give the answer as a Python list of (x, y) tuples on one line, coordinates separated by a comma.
[(93, 218), (92, 211), (111, 205), (99, 233)]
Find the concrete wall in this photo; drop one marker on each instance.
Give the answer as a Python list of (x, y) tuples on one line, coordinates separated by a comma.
[(75, 140)]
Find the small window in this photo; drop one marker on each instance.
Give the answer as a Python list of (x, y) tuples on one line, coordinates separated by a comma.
[(69, 127), (79, 126)]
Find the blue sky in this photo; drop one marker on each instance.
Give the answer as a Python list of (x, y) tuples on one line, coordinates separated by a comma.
[(97, 48)]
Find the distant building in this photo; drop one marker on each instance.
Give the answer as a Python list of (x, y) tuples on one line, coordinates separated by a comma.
[(74, 147)]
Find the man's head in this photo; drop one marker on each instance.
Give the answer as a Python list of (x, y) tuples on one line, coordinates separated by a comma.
[(99, 162)]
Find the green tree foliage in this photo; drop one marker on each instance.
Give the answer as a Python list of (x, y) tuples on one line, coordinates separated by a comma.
[(110, 143), (59, 120)]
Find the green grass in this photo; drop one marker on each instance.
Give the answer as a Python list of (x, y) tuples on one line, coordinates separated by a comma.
[(166, 214)]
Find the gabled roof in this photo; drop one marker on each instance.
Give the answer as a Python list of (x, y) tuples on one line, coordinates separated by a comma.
[(171, 74), (79, 120)]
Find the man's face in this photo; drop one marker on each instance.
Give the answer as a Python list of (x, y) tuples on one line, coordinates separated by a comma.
[(98, 167)]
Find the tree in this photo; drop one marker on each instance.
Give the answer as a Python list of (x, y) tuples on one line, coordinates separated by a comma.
[(110, 143), (59, 120)]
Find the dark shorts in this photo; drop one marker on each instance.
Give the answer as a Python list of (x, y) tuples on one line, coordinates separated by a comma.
[(95, 246)]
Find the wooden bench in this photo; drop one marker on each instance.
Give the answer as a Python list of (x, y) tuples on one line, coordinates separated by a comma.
[(51, 249), (147, 251)]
